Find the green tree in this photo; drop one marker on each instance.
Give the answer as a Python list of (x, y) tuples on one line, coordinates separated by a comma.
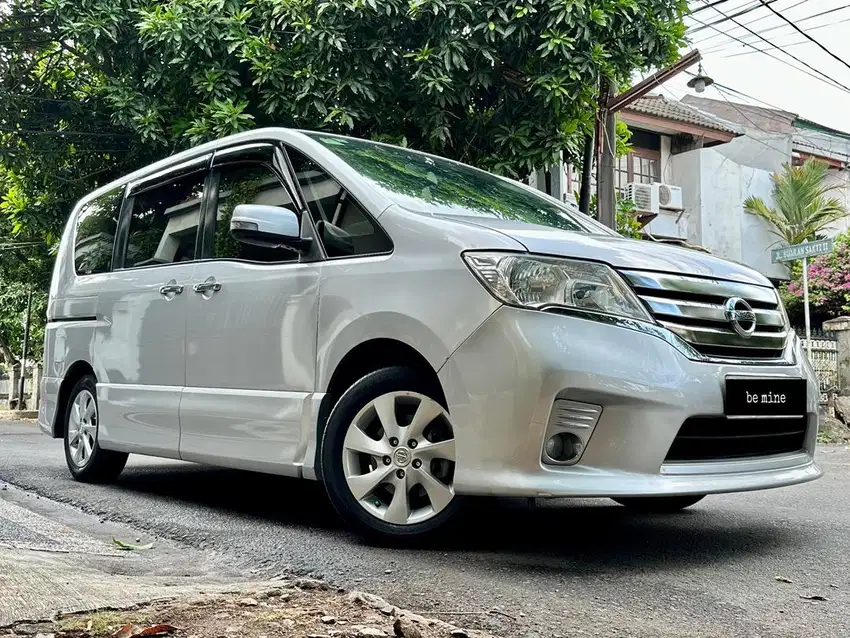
[(802, 206), (93, 88)]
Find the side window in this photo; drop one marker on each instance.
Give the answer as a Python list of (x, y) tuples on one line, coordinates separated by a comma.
[(164, 222), (95, 233), (247, 183), (344, 227)]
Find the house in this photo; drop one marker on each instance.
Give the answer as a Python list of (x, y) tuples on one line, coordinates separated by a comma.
[(662, 131), (708, 156), (798, 138)]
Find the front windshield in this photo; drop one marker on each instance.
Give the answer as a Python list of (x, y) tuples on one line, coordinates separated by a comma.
[(431, 184)]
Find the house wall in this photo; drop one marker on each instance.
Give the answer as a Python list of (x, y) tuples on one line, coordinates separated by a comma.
[(714, 188), (666, 164), (766, 151), (841, 180), (685, 172)]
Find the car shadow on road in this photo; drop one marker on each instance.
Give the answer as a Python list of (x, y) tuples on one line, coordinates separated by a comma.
[(515, 532)]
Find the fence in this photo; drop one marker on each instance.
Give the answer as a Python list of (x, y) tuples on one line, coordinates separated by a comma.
[(824, 359)]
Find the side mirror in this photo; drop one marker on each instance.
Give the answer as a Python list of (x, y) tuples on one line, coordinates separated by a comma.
[(267, 226)]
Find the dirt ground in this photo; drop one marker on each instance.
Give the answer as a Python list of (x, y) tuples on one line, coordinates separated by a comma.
[(300, 609)]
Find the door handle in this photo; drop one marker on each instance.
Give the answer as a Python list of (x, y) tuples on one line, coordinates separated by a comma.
[(170, 289), (207, 286)]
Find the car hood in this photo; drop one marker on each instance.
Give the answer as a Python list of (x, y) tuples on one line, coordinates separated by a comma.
[(619, 252)]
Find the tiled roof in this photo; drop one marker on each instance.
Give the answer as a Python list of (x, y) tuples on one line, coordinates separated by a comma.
[(746, 115), (660, 107)]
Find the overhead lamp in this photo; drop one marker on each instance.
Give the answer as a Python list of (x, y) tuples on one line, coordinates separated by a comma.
[(700, 81)]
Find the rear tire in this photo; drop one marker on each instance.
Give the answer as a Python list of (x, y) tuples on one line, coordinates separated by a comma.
[(87, 461), (388, 457), (659, 504)]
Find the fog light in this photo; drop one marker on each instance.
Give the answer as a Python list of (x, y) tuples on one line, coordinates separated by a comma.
[(563, 447), (555, 447)]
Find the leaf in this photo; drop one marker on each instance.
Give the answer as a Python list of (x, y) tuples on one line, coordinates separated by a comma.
[(128, 547), (135, 631)]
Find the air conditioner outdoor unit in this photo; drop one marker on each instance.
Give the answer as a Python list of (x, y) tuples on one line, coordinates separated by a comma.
[(669, 197), (649, 199), (645, 197)]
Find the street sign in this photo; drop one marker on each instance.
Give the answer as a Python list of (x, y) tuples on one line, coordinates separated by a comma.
[(804, 251), (799, 251)]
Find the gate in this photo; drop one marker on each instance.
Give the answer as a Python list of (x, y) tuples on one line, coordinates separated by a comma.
[(824, 360)]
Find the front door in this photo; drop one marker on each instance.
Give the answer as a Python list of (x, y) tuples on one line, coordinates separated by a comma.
[(140, 342), (251, 332)]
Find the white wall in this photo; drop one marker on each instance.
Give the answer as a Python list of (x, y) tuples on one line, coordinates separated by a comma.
[(841, 180), (714, 188), (685, 172), (767, 151), (666, 156)]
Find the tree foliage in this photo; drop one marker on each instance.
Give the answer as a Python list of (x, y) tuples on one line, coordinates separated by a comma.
[(25, 265), (802, 206), (93, 88)]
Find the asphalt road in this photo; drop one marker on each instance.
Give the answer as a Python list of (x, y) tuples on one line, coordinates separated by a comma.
[(563, 568)]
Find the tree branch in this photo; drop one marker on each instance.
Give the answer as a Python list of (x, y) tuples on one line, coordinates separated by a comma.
[(79, 54), (8, 357)]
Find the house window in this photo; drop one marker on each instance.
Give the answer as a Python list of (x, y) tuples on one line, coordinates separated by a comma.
[(641, 165)]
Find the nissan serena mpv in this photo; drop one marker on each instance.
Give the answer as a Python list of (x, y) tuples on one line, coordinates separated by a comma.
[(410, 330)]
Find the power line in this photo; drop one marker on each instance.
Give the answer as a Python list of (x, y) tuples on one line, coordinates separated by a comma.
[(803, 33), (701, 113), (60, 133), (829, 80), (751, 22), (742, 114), (708, 6), (790, 44), (725, 18), (749, 97), (45, 151), (715, 47), (35, 98), (762, 113)]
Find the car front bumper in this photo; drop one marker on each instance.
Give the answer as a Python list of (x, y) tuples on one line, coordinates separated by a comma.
[(502, 382)]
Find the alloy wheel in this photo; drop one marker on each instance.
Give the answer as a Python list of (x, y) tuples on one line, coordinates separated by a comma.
[(82, 428), (399, 458)]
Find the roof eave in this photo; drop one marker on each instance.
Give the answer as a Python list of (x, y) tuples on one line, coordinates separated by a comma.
[(672, 127)]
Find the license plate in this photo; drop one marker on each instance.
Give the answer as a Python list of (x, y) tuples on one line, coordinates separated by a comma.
[(765, 397)]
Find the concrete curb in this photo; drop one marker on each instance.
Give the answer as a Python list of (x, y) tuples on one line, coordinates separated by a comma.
[(12, 415)]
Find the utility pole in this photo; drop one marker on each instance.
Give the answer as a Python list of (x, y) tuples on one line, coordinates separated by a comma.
[(21, 401), (586, 168), (606, 141), (605, 202)]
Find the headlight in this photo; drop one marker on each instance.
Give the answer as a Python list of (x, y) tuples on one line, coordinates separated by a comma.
[(536, 282)]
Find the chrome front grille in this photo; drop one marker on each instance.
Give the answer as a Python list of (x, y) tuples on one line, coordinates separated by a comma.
[(695, 309)]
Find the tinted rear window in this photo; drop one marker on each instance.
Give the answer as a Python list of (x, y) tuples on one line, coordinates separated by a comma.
[(95, 233)]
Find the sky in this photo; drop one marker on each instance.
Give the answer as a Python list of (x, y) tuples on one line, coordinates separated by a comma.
[(739, 67)]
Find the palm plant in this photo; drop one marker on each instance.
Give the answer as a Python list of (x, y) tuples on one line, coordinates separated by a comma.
[(802, 205)]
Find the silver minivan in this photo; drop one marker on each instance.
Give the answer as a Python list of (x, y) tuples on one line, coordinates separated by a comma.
[(410, 330)]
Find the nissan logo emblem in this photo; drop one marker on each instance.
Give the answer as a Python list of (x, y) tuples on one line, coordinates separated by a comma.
[(740, 316), (402, 456)]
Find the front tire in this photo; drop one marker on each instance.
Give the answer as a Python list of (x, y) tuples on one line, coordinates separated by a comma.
[(388, 457), (87, 461), (659, 504)]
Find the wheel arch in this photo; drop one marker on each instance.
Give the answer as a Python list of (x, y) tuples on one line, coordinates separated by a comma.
[(75, 372), (364, 358)]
